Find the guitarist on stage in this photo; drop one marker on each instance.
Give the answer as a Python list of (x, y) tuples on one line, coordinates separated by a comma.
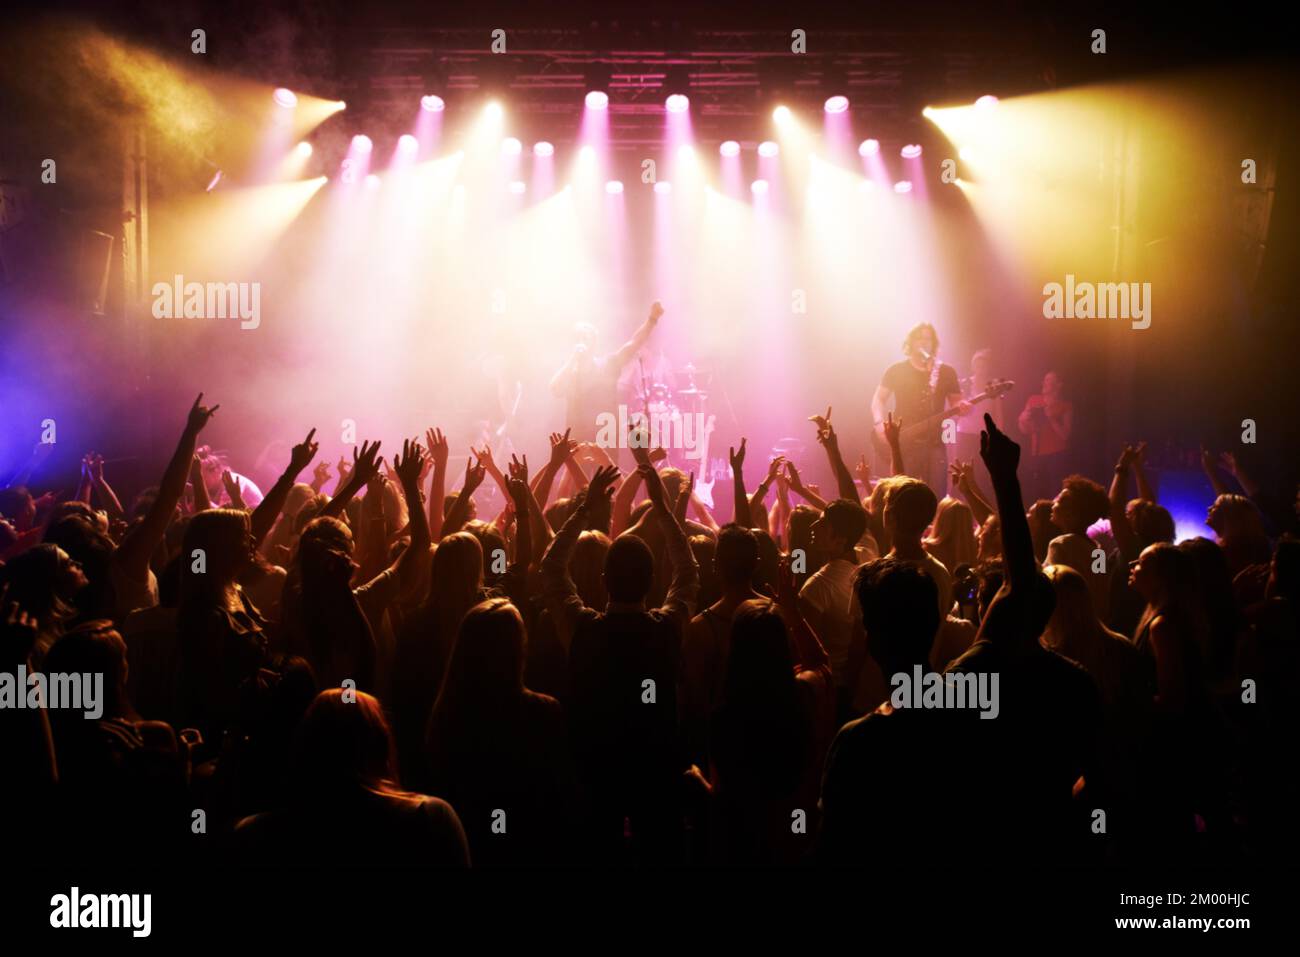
[(920, 386)]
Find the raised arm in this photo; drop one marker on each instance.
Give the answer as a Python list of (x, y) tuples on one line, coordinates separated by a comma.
[(562, 597), (139, 544), (459, 513), (797, 486), (1002, 457), (624, 353), (409, 564), (831, 443), (893, 431), (198, 488), (963, 479), (685, 585), (438, 452), (106, 494), (269, 509), (1212, 473), (739, 499), (365, 466), (1124, 538)]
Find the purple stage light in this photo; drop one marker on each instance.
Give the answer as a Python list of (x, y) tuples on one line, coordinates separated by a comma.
[(768, 148), (729, 148), (518, 187), (758, 187), (614, 187), (432, 103), (869, 147), (902, 186), (663, 186), (511, 146), (543, 148), (837, 104), (910, 151), (285, 98), (597, 100), (986, 102), (361, 143), (407, 143)]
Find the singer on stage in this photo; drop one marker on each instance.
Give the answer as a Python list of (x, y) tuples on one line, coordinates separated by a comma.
[(589, 384)]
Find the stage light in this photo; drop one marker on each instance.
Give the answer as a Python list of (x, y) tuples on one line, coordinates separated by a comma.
[(597, 100), (836, 104), (511, 146), (518, 187), (866, 185), (212, 183), (432, 103), (586, 154), (902, 186), (361, 143), (372, 181), (543, 148), (966, 154), (869, 147), (614, 187), (303, 149), (663, 186), (910, 151), (341, 105), (686, 153), (758, 187), (285, 98), (986, 102), (493, 111), (677, 103), (781, 114), (928, 112), (407, 143), (729, 148), (768, 148)]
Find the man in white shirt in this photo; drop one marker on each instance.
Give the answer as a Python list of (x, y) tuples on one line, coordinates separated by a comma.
[(826, 598)]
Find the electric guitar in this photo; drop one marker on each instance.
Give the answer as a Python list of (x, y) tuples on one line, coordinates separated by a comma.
[(911, 431)]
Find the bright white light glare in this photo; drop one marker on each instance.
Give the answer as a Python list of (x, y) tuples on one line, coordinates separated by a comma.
[(285, 98), (986, 102), (597, 100), (511, 146), (614, 187), (518, 187), (768, 148), (677, 103), (869, 147), (910, 151), (361, 143), (663, 186), (729, 148), (493, 111), (966, 154), (586, 154), (543, 148), (407, 143), (432, 103), (303, 149), (781, 114), (902, 186), (372, 181), (837, 104), (758, 187)]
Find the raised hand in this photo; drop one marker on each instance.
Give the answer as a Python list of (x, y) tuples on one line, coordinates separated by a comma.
[(561, 448), (199, 416), (823, 422), (409, 464), (231, 486), (787, 590), (654, 486), (485, 458), (960, 472), (601, 486), (18, 629), (302, 453), (638, 441), (1000, 454), (774, 468), (863, 471), (518, 469), (657, 455), (320, 475), (517, 486), (438, 447), (737, 459), (792, 476), (474, 472), (892, 428), (1229, 462), (365, 463), (1207, 459), (656, 310)]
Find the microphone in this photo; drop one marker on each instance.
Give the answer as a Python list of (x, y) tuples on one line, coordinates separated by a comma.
[(924, 355)]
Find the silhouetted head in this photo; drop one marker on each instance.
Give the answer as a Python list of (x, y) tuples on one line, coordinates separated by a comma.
[(629, 569), (736, 556), (840, 528), (1080, 503), (910, 505), (341, 744), (225, 539), (900, 612)]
